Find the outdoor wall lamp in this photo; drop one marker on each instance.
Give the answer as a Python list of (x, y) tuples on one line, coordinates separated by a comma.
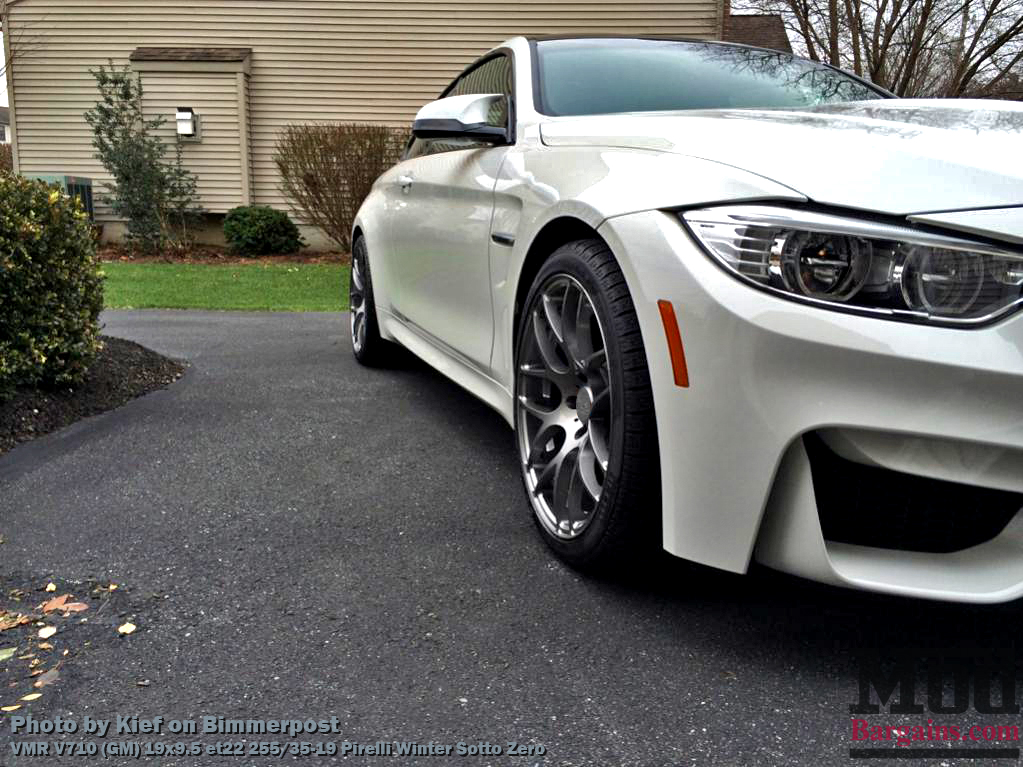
[(188, 123)]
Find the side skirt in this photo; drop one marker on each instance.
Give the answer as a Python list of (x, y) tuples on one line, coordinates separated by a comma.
[(448, 362)]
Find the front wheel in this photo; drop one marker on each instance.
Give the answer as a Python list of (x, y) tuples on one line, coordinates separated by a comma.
[(584, 412), (369, 347)]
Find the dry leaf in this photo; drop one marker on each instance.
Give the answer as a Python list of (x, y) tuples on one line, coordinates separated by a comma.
[(127, 628), (49, 677), (51, 587), (112, 587), (75, 607), (35, 663), (37, 672), (56, 603), (47, 631), (26, 657), (45, 646), (33, 696), (7, 653), (9, 708), (10, 620)]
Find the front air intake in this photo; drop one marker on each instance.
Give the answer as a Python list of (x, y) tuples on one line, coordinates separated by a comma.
[(872, 506)]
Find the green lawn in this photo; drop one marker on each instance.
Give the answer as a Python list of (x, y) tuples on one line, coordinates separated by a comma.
[(267, 287)]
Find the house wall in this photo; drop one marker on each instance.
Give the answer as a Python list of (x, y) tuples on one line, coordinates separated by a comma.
[(312, 60), (217, 157)]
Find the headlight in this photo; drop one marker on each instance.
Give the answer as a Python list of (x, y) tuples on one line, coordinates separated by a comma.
[(862, 265)]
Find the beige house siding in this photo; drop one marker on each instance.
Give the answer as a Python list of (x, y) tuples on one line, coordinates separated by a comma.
[(217, 158), (312, 60)]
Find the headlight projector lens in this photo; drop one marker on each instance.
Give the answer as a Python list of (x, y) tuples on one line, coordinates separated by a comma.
[(942, 282), (825, 265)]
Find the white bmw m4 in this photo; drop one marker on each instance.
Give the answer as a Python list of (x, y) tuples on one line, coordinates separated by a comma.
[(734, 303)]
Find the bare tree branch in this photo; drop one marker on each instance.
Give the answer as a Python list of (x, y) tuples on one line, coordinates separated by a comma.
[(916, 48)]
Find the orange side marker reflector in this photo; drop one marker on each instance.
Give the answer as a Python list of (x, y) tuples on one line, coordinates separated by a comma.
[(675, 350)]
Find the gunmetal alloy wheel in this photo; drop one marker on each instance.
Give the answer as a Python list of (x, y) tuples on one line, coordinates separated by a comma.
[(584, 416), (564, 407), (357, 301), (367, 344)]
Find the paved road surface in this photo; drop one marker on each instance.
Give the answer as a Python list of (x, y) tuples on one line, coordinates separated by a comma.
[(301, 537)]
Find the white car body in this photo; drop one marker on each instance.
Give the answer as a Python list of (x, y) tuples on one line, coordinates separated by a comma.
[(930, 401)]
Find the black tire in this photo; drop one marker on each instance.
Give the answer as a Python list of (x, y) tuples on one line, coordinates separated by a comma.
[(369, 347), (625, 519)]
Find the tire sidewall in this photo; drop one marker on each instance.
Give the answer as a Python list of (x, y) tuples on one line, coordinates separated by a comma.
[(366, 354), (579, 551)]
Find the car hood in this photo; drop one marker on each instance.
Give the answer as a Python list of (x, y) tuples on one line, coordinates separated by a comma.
[(897, 156)]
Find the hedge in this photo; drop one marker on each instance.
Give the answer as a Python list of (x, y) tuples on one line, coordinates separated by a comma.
[(51, 287)]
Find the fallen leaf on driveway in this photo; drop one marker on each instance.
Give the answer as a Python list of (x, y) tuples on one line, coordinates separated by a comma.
[(33, 696), (7, 653), (55, 604), (9, 708), (126, 628), (75, 607), (51, 587), (47, 631), (45, 646), (49, 677), (10, 620)]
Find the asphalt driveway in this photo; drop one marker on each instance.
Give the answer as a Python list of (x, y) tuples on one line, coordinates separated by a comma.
[(301, 537)]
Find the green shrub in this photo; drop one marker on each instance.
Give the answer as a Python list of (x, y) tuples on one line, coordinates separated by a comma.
[(51, 287), (258, 231), (157, 198)]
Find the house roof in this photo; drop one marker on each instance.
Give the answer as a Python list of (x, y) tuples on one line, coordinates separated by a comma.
[(5, 116), (762, 30), (190, 54)]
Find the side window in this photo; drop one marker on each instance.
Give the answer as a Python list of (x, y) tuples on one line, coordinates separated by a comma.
[(492, 76)]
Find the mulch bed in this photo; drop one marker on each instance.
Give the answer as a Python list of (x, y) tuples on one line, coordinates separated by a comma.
[(211, 254), (121, 372)]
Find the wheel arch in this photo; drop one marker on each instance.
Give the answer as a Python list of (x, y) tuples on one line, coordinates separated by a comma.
[(552, 235)]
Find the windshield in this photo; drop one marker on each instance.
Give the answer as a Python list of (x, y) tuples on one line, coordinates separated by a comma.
[(604, 76)]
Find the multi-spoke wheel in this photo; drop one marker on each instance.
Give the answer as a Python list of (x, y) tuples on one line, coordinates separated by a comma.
[(564, 394), (369, 347), (582, 387)]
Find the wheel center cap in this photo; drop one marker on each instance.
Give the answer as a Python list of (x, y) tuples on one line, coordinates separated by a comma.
[(584, 404)]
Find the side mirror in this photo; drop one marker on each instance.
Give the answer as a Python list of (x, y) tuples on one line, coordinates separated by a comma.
[(462, 117)]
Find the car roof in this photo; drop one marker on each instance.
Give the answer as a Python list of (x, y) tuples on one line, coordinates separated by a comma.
[(669, 38)]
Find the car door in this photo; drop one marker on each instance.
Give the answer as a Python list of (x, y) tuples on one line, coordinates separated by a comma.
[(440, 228)]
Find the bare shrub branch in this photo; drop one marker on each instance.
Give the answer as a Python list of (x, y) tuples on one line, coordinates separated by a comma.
[(328, 169)]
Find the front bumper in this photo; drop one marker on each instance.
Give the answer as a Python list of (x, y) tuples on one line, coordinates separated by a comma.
[(945, 404)]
